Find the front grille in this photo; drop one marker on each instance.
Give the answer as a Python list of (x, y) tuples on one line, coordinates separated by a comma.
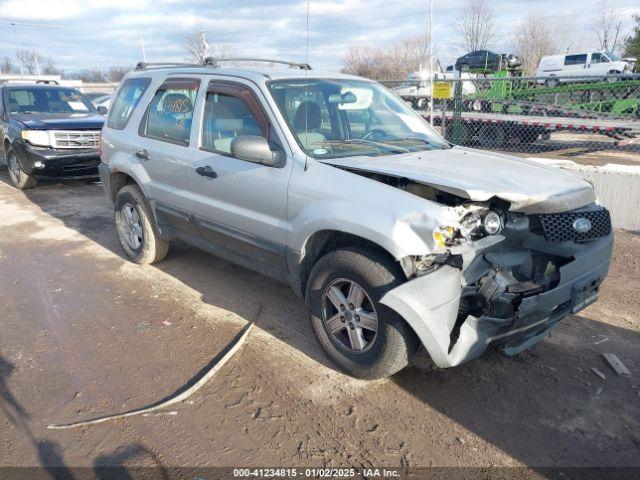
[(77, 139), (559, 227)]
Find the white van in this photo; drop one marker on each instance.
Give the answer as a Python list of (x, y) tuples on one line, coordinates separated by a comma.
[(557, 68)]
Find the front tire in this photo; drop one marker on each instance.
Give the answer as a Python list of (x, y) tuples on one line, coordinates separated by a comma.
[(19, 177), (363, 337), (136, 228)]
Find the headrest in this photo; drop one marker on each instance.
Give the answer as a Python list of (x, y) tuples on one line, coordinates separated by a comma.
[(308, 116), (227, 124)]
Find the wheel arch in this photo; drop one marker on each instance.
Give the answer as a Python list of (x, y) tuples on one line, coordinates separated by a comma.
[(117, 180), (324, 241)]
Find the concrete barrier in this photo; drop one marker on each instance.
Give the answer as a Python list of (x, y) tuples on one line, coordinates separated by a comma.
[(617, 188)]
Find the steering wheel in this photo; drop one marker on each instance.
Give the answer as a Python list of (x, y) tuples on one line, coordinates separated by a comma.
[(374, 132)]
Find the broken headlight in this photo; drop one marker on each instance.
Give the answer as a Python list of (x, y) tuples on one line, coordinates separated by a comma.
[(492, 223), (481, 223), (473, 226)]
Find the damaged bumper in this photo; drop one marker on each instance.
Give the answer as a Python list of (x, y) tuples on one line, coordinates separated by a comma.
[(50, 162), (431, 304)]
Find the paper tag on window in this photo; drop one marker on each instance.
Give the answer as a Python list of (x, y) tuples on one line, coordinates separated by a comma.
[(78, 106)]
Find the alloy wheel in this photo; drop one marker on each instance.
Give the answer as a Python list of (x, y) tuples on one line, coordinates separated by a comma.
[(131, 226), (349, 315)]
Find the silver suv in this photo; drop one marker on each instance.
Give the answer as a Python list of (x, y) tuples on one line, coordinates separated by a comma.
[(331, 183)]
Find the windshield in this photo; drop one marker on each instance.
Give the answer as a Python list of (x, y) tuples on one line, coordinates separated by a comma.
[(613, 57), (47, 100), (343, 118)]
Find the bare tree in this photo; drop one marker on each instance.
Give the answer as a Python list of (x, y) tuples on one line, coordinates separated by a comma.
[(196, 46), (394, 62), (6, 65), (534, 39), (115, 74), (607, 26), (414, 53), (476, 27), (48, 67), (91, 75), (222, 50), (28, 61), (360, 60)]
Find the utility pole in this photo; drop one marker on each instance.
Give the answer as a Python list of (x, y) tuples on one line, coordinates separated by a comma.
[(205, 45), (431, 58), (144, 54)]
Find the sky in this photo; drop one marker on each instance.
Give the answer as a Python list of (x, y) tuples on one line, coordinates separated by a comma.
[(80, 34)]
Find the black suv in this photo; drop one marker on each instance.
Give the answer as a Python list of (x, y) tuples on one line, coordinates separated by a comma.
[(48, 131), (485, 61)]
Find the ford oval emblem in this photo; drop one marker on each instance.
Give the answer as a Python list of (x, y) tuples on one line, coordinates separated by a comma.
[(582, 225)]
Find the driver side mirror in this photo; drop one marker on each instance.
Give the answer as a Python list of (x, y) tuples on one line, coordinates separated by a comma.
[(102, 110), (254, 148)]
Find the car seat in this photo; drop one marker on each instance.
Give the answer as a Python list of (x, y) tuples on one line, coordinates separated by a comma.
[(308, 118)]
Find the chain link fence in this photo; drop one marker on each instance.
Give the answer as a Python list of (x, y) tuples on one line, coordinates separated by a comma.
[(590, 120)]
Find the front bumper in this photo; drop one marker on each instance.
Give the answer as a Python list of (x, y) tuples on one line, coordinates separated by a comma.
[(430, 304), (82, 163)]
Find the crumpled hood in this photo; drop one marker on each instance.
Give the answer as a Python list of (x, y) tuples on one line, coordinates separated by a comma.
[(479, 175), (61, 121)]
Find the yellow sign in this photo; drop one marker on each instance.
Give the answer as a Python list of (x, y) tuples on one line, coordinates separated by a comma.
[(442, 90)]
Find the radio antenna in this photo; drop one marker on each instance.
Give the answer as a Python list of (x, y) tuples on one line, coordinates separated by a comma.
[(306, 93)]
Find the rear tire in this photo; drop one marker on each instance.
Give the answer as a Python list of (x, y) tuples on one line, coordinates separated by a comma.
[(19, 177), (382, 352), (552, 82), (137, 232)]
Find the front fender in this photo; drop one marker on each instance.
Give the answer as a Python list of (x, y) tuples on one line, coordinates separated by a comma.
[(329, 198), (429, 304)]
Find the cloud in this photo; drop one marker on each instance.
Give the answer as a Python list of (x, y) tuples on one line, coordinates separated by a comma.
[(40, 9), (88, 33)]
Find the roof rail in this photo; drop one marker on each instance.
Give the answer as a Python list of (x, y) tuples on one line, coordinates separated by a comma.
[(149, 65), (19, 80), (213, 62)]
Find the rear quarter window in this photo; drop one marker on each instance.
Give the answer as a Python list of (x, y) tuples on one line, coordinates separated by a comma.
[(126, 101), (575, 59)]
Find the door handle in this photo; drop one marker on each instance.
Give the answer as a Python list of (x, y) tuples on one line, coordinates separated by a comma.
[(206, 172), (143, 155)]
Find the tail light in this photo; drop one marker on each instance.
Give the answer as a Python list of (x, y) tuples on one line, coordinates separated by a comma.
[(100, 145)]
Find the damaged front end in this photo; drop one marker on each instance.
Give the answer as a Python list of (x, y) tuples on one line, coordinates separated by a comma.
[(503, 278)]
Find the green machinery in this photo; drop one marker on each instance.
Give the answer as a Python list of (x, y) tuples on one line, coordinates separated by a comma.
[(522, 96)]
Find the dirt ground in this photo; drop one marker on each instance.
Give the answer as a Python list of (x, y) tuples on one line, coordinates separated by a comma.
[(83, 334)]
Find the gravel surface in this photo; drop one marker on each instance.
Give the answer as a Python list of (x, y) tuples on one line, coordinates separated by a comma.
[(83, 335)]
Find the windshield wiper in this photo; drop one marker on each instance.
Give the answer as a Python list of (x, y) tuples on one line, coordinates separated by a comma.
[(378, 144), (408, 139)]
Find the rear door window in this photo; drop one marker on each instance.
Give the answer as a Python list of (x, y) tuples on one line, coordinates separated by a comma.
[(126, 101), (170, 113), (575, 59)]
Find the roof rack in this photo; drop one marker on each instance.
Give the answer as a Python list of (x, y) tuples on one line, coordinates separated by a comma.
[(213, 62), (22, 81), (149, 65)]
